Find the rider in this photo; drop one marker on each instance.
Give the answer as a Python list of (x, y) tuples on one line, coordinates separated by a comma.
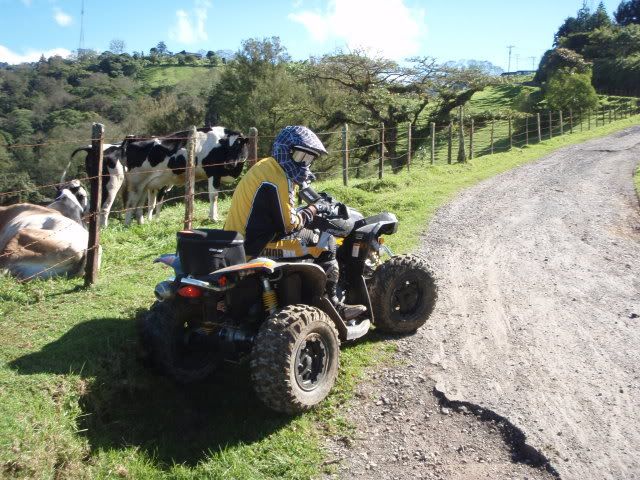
[(263, 204)]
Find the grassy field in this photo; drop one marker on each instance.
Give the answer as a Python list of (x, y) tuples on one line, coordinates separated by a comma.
[(170, 75), (75, 403)]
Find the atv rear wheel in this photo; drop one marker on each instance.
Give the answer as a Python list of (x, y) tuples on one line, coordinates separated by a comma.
[(295, 359), (403, 294), (163, 337)]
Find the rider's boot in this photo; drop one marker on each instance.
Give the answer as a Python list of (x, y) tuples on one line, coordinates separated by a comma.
[(346, 311)]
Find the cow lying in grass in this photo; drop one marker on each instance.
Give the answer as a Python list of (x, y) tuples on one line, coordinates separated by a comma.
[(44, 242)]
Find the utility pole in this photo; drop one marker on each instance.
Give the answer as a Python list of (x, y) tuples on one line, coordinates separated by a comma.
[(533, 63), (510, 47)]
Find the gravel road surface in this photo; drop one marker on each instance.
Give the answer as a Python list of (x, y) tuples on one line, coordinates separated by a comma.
[(530, 365)]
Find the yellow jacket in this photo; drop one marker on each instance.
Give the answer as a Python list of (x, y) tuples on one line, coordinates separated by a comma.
[(263, 206)]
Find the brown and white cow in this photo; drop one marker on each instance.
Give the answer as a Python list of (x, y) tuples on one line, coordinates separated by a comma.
[(159, 162), (43, 242)]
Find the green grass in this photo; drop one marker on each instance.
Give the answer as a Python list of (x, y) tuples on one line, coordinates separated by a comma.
[(496, 97), (636, 180), (75, 403), (169, 75)]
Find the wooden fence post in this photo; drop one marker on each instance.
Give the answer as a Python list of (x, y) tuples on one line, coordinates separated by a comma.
[(615, 115), (450, 143), (408, 146), (550, 124), (539, 127), (253, 146), (345, 155), (526, 128), (433, 143), (510, 135), (95, 172), (609, 115), (471, 138), (493, 122), (381, 161), (571, 120), (561, 124), (190, 179), (462, 154)]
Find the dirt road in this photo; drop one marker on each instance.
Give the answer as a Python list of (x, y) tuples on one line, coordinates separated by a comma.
[(537, 329)]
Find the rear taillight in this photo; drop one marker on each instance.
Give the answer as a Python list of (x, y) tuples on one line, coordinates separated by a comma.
[(189, 291)]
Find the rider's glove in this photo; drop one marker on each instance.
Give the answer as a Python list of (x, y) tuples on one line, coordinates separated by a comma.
[(323, 207)]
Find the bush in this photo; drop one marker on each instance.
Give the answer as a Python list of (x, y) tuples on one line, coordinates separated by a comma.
[(567, 89)]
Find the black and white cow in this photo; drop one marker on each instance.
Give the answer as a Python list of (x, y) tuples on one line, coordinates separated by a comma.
[(159, 162), (113, 175)]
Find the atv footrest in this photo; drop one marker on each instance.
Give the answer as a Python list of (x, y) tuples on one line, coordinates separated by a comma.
[(358, 330)]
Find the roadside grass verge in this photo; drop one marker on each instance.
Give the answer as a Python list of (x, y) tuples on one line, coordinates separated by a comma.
[(75, 402)]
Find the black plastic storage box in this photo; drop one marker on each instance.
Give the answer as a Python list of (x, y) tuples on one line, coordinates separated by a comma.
[(204, 250)]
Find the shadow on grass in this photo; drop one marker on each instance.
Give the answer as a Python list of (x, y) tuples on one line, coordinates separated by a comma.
[(126, 405)]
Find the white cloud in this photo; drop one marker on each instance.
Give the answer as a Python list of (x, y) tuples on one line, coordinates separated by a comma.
[(190, 27), (387, 27), (63, 19), (8, 56)]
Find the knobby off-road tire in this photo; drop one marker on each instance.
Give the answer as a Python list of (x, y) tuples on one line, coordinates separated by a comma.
[(403, 294), (161, 334), (295, 359)]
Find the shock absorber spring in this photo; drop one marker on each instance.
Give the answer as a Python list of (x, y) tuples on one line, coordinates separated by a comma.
[(269, 297)]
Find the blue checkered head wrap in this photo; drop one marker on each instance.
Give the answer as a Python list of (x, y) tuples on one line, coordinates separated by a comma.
[(292, 136)]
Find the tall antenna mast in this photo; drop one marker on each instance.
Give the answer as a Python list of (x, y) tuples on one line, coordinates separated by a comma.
[(81, 43), (510, 47)]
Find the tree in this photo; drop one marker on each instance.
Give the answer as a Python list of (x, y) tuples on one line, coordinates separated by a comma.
[(161, 49), (258, 89), (376, 91), (213, 57), (559, 58), (567, 89), (584, 21), (599, 19), (628, 12), (117, 46)]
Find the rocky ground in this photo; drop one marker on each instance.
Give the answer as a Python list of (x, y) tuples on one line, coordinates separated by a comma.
[(528, 368)]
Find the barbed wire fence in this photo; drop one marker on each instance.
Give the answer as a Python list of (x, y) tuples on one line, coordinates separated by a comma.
[(362, 154)]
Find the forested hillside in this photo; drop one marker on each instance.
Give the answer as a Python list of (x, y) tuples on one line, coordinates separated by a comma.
[(610, 47), (46, 107)]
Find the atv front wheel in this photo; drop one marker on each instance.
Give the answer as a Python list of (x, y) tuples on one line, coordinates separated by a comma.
[(295, 359), (403, 294), (163, 335)]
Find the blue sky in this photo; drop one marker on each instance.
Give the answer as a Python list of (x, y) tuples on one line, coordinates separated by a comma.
[(447, 30)]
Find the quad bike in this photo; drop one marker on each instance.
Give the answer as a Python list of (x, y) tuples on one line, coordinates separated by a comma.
[(220, 307)]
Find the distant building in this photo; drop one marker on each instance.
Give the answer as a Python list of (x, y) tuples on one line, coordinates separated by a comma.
[(518, 73), (195, 54)]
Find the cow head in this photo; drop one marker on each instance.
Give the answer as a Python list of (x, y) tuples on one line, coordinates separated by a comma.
[(75, 188), (71, 201), (238, 147)]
